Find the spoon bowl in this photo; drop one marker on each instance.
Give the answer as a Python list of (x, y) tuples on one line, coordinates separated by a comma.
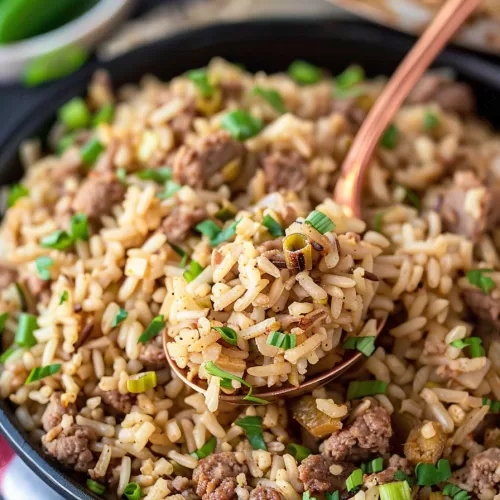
[(349, 186)]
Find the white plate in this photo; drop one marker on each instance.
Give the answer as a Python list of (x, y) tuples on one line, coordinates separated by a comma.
[(481, 33)]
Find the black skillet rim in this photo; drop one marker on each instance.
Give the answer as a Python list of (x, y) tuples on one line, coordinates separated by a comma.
[(329, 30)]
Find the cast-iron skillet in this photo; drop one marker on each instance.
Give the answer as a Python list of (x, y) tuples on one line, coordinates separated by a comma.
[(266, 45)]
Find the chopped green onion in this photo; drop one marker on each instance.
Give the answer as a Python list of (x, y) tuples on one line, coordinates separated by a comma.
[(153, 329), (65, 143), (8, 353), (59, 240), (228, 334), (307, 496), (132, 491), (194, 270), (349, 78), (474, 343), (224, 214), (412, 198), (376, 465), (282, 340), (120, 317), (453, 491), (159, 175), (79, 228), (64, 297), (26, 326), (121, 175), (298, 451), (430, 474), (95, 487), (43, 263), (142, 382), (431, 120), (477, 278), (182, 254), (224, 235), (16, 191), (200, 78), (54, 65), (272, 226), (366, 345), (333, 496), (389, 139), (208, 228), (319, 221), (38, 373), (171, 188), (378, 222), (493, 404), (255, 399), (75, 114), (361, 388), (3, 319), (395, 491), (399, 475), (354, 480), (241, 125), (91, 150), (253, 430), (305, 73), (207, 449), (273, 97), (103, 115), (22, 297)]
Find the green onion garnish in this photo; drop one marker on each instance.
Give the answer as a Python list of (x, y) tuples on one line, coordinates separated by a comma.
[(91, 150), (366, 345), (224, 235), (478, 279), (493, 404), (241, 125), (58, 240), (305, 73), (159, 175), (389, 139), (194, 270), (354, 480), (103, 115), (26, 326), (121, 175), (208, 228), (376, 465), (474, 343), (273, 97), (307, 496), (38, 373), (65, 143), (378, 222), (142, 383), (22, 297), (228, 334), (200, 78), (16, 191), (333, 496), (153, 329), (359, 389), (171, 188), (3, 319), (226, 377), (64, 297), (298, 451), (319, 221), (95, 487), (132, 491), (453, 491), (253, 430), (8, 353), (272, 226), (399, 475), (75, 114), (349, 78), (120, 317), (395, 491), (224, 214), (412, 198), (282, 340), (43, 263), (431, 120), (207, 449), (429, 474), (181, 253), (78, 227)]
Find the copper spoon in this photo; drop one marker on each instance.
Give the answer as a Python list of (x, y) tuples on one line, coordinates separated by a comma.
[(348, 189)]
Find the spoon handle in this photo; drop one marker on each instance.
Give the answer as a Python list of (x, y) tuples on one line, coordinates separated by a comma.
[(447, 21)]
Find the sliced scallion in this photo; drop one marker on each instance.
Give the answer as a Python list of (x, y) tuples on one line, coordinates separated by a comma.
[(132, 491), (27, 324), (207, 449), (354, 480), (22, 297), (476, 350), (224, 235), (362, 388), (43, 265), (224, 214), (375, 465), (228, 334), (430, 474), (412, 198), (273, 97), (153, 329), (252, 426), (58, 240), (272, 226), (395, 491), (389, 139), (78, 227), (16, 192), (200, 78), (40, 372), (171, 188), (349, 78), (8, 353), (453, 491), (366, 345), (194, 270), (282, 340), (3, 319), (95, 487), (431, 121), (64, 297), (378, 222), (321, 222), (399, 475), (159, 175), (307, 496), (141, 382), (305, 73), (478, 279), (91, 150), (103, 115), (208, 228), (121, 175), (333, 496), (120, 317), (493, 404), (298, 451), (75, 114), (241, 125)]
